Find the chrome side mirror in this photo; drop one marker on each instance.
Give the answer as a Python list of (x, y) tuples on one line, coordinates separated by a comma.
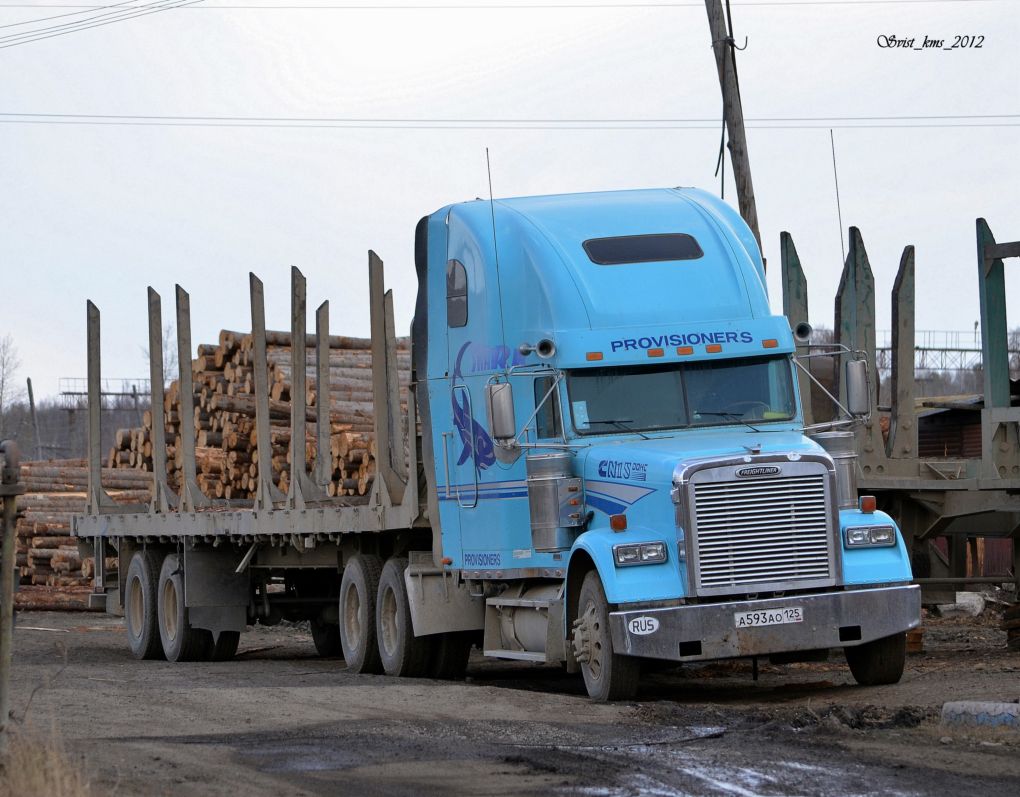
[(858, 392), (499, 399)]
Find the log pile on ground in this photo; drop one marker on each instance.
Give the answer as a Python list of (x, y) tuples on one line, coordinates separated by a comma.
[(51, 573), (226, 449)]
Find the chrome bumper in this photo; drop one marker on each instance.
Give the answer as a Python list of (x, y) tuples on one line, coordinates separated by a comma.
[(708, 631)]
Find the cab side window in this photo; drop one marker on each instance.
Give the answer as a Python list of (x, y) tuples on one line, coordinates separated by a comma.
[(547, 421), (456, 294)]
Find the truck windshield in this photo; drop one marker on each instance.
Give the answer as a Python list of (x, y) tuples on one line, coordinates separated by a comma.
[(648, 398)]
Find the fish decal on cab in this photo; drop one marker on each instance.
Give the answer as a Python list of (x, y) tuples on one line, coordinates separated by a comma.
[(474, 437)]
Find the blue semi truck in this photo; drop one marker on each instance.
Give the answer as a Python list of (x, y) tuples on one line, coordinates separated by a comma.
[(603, 462)]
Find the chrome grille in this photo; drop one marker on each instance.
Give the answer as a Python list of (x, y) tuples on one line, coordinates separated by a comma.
[(760, 532)]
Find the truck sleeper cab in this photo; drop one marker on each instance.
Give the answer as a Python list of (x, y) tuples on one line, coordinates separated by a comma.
[(659, 498)]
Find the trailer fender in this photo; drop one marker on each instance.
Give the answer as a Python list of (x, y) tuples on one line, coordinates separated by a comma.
[(215, 594), (441, 602)]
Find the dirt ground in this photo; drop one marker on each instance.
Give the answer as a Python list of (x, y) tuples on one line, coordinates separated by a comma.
[(281, 721)]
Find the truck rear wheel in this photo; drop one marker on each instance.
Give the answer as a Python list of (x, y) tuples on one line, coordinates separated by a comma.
[(140, 614), (326, 637), (450, 654), (225, 647), (402, 653), (878, 662), (180, 641), (358, 589), (607, 675)]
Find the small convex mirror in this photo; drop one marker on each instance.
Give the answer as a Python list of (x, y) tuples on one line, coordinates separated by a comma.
[(858, 396), (499, 397)]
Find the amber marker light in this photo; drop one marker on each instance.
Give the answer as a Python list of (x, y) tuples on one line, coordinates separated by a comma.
[(771, 343), (593, 356), (868, 504), (618, 522), (713, 348), (447, 560), (656, 352), (684, 350)]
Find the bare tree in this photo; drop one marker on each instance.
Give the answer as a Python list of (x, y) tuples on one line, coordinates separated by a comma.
[(9, 365), (170, 360)]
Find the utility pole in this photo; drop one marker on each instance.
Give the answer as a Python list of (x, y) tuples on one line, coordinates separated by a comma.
[(722, 43)]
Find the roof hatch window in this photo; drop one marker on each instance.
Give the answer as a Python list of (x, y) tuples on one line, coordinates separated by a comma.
[(642, 249)]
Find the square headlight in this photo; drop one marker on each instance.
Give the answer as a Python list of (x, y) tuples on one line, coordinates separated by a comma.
[(646, 553), (883, 535), (858, 536), (870, 536)]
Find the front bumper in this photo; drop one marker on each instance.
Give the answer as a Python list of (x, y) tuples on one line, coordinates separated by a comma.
[(708, 631)]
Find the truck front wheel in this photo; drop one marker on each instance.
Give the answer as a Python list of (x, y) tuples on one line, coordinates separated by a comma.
[(607, 675), (358, 589), (878, 662), (140, 613), (180, 641)]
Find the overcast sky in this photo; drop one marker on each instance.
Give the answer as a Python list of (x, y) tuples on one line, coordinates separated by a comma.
[(101, 211)]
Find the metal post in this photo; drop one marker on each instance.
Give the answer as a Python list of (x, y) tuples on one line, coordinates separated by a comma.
[(9, 489), (298, 394), (323, 459), (162, 499), (733, 112), (98, 499), (795, 308), (267, 493), (384, 393), (191, 496), (903, 420), (35, 420)]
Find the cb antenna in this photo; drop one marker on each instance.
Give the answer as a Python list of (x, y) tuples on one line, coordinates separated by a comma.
[(495, 251)]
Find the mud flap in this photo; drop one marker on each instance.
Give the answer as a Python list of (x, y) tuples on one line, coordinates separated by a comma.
[(216, 596)]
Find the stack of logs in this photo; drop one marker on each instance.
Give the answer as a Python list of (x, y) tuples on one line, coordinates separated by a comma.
[(51, 573), (226, 450)]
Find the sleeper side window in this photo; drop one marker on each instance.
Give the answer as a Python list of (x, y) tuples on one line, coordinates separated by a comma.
[(456, 294), (547, 421)]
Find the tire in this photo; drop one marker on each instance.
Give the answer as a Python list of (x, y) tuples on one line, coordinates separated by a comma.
[(326, 637), (450, 653), (225, 647), (402, 653), (140, 614), (358, 589), (607, 674), (878, 662), (180, 641)]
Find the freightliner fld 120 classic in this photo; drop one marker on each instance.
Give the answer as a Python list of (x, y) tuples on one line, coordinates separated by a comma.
[(602, 462)]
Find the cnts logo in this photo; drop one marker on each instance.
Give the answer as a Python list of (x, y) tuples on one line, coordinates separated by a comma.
[(643, 625), (611, 469)]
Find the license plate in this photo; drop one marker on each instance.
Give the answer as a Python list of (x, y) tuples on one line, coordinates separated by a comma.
[(786, 614)]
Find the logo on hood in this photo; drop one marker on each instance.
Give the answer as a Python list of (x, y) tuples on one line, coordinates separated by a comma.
[(758, 470)]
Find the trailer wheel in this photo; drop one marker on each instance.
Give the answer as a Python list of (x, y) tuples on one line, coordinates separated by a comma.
[(358, 589), (402, 653), (607, 675), (140, 614), (450, 655), (225, 647), (180, 641), (878, 662), (326, 637)]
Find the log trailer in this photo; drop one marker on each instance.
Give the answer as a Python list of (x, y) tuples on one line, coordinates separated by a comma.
[(603, 461)]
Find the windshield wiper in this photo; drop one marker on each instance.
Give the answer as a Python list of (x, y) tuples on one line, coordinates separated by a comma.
[(622, 424), (730, 416)]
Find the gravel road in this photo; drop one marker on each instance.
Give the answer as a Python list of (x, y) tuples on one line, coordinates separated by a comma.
[(281, 721)]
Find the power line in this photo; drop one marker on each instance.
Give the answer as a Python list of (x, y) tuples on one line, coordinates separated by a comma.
[(132, 9), (508, 122), (523, 7), (57, 16), (14, 40), (383, 125)]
